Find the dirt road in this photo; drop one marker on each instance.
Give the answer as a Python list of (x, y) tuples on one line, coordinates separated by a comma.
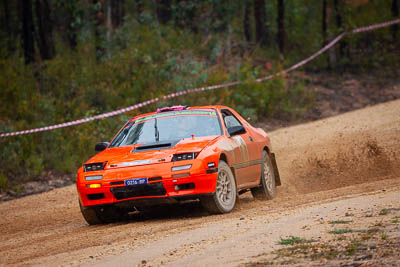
[(326, 166)]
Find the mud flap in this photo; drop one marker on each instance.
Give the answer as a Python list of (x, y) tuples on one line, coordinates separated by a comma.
[(276, 172)]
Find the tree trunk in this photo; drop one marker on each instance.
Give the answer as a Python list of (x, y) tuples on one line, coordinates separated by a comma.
[(45, 28), (116, 13), (395, 14), (260, 21), (139, 7), (163, 9), (7, 25), (246, 21), (70, 34), (326, 14), (338, 15), (27, 31), (281, 27), (98, 19), (109, 26), (339, 24), (324, 23)]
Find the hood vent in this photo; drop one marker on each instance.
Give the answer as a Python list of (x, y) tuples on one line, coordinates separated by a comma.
[(156, 146)]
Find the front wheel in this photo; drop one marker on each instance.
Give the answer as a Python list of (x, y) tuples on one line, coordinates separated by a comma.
[(224, 198), (267, 188), (101, 215)]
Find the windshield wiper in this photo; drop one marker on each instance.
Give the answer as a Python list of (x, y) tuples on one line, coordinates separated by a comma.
[(156, 133)]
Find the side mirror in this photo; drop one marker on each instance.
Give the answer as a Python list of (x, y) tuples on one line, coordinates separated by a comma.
[(235, 130), (101, 146)]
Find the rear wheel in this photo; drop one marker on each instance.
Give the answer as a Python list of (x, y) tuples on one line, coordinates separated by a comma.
[(224, 198), (267, 188), (100, 215)]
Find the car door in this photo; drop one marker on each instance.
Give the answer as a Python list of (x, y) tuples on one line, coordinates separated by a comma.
[(246, 172)]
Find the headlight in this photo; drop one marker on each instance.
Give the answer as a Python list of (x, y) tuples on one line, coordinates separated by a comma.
[(180, 168), (94, 177), (94, 166), (185, 156)]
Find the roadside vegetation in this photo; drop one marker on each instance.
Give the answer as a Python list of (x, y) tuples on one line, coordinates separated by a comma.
[(98, 63)]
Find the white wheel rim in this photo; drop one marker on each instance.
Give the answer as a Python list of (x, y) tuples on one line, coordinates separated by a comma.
[(224, 188), (268, 177)]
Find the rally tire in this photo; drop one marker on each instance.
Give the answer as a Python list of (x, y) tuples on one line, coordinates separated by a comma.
[(224, 198), (267, 188), (102, 215)]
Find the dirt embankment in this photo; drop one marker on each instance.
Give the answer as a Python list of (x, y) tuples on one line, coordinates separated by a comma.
[(337, 159)]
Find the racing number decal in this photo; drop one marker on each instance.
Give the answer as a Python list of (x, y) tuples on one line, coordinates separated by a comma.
[(242, 146)]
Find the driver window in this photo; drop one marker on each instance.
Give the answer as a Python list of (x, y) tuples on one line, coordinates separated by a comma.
[(230, 120)]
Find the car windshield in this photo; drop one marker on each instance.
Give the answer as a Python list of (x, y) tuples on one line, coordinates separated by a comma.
[(169, 126)]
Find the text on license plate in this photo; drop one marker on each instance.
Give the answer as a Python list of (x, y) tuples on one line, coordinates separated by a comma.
[(136, 181)]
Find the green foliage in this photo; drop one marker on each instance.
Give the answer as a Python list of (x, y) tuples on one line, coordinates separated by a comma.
[(344, 231), (340, 222), (384, 211), (291, 240), (3, 182)]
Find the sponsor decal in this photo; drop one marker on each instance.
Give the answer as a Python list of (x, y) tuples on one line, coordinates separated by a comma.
[(177, 113)]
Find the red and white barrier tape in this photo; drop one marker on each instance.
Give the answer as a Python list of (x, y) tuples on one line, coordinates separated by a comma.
[(194, 90)]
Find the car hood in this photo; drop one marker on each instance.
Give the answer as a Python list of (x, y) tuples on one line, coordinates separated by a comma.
[(153, 153)]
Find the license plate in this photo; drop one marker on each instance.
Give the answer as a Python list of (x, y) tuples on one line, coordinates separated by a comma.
[(136, 181)]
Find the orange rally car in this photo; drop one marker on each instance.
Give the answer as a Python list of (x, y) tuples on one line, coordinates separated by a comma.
[(177, 153)]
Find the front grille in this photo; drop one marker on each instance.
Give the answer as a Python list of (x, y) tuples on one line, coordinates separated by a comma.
[(152, 179), (96, 196), (117, 183), (184, 186), (139, 190)]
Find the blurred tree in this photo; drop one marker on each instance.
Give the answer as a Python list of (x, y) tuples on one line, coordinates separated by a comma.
[(281, 27), (324, 23), (339, 7), (117, 13), (98, 21), (163, 10), (184, 13), (7, 25), (395, 14), (246, 21), (45, 29), (326, 35), (139, 7), (27, 30), (68, 18), (260, 21)]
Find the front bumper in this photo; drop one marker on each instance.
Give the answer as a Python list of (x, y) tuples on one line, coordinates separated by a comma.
[(163, 187)]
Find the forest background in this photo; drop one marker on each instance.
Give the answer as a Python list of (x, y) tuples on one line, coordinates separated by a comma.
[(62, 60)]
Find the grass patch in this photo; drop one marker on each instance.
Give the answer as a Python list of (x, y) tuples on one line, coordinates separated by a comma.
[(373, 230), (368, 234), (314, 252), (345, 231), (352, 247), (384, 236), (340, 222), (291, 240), (384, 211), (395, 221)]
